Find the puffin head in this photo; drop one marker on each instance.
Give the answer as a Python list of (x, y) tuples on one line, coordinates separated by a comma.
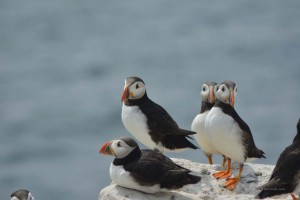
[(208, 92), (226, 92), (120, 147), (21, 195), (134, 88)]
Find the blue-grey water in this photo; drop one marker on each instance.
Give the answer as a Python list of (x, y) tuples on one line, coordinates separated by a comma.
[(63, 65)]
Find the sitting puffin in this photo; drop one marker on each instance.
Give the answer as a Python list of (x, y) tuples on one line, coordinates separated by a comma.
[(285, 177), (21, 195), (144, 170), (148, 122), (229, 134)]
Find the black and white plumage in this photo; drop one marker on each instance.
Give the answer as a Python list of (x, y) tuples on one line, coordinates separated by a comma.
[(285, 177), (198, 124), (21, 195), (145, 170), (148, 122), (230, 135)]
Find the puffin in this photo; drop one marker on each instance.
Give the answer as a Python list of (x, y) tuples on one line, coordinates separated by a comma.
[(21, 194), (201, 136), (229, 133), (285, 177), (145, 170), (150, 123)]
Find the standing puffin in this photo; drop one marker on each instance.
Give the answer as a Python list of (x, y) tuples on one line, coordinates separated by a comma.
[(21, 195), (148, 122), (144, 170), (230, 135), (201, 136), (285, 177)]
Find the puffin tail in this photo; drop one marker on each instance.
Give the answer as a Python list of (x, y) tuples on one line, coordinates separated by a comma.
[(186, 132), (256, 153), (181, 180), (178, 142), (260, 153), (192, 179)]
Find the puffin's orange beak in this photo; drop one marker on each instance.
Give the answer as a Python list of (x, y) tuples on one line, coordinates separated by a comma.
[(232, 98), (106, 149), (211, 94), (125, 93)]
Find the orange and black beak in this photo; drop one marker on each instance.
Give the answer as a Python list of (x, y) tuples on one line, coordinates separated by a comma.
[(211, 94), (125, 93), (107, 150), (231, 98)]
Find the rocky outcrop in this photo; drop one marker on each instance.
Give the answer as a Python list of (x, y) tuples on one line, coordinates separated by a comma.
[(208, 188)]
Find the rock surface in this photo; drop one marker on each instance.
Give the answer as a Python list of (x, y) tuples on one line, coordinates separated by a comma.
[(208, 188)]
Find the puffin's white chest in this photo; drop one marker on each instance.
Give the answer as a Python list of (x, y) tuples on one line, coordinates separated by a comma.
[(123, 178), (198, 125), (225, 134), (135, 122)]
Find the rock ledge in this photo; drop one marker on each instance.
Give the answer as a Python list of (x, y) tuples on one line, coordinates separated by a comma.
[(208, 188)]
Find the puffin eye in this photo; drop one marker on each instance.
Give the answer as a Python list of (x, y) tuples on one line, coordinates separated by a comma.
[(137, 86), (118, 144), (223, 89), (203, 89)]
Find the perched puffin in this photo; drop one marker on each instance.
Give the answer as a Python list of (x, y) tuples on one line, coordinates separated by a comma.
[(148, 122), (230, 135), (201, 136), (285, 177), (144, 170), (21, 195)]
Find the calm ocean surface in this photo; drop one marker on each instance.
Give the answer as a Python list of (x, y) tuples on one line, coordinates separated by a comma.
[(63, 65)]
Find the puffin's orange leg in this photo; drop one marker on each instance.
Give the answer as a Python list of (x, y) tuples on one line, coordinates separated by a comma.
[(294, 197), (224, 161), (226, 173), (210, 160), (232, 182)]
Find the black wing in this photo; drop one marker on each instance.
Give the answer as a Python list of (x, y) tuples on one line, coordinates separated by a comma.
[(154, 170), (252, 150), (162, 158), (285, 174), (159, 120)]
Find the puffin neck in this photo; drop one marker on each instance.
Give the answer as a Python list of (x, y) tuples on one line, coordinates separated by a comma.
[(134, 102), (206, 106), (134, 155), (221, 104)]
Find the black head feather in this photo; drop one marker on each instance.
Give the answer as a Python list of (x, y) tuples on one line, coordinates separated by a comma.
[(133, 79), (129, 141)]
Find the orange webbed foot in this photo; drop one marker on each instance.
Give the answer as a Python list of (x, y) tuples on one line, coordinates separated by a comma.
[(222, 174), (231, 183)]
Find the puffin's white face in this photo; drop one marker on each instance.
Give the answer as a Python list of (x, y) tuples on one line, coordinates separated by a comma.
[(136, 90), (207, 93), (225, 94), (29, 197), (117, 148), (120, 148)]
